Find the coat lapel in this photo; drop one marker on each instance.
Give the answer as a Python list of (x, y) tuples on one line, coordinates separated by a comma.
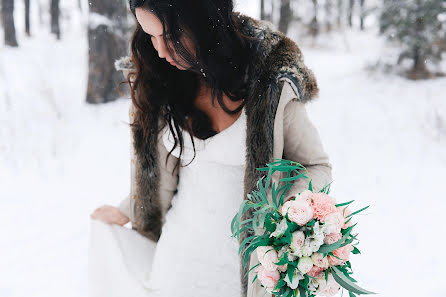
[(281, 59)]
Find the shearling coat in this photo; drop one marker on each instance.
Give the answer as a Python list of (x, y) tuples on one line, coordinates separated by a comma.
[(277, 127)]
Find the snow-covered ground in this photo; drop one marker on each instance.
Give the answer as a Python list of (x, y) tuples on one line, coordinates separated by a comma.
[(60, 158)]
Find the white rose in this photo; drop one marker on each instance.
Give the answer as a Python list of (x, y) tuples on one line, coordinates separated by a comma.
[(297, 253), (292, 257), (313, 285), (334, 222), (307, 248), (305, 264), (297, 275), (280, 228), (318, 229), (282, 251), (315, 244)]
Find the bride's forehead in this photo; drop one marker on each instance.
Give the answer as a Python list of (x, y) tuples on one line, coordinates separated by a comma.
[(149, 22)]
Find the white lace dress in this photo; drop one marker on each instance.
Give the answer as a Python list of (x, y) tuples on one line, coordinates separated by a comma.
[(196, 255)]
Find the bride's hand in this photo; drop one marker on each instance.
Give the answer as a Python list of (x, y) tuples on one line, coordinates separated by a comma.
[(110, 215)]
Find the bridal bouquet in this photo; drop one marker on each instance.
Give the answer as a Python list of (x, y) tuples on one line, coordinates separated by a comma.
[(303, 240)]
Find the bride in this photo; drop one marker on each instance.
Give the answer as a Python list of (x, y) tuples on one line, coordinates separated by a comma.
[(215, 95)]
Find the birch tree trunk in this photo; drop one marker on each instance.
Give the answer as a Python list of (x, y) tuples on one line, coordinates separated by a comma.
[(286, 16), (8, 23), (106, 42), (27, 25), (54, 11)]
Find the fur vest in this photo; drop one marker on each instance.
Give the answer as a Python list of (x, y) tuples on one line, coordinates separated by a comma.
[(280, 59)]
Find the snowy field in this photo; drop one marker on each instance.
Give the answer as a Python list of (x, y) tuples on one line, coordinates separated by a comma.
[(61, 158)]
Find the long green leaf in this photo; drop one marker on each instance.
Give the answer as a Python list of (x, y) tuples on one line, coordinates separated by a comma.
[(346, 283), (245, 242), (293, 177), (255, 277), (247, 272), (345, 203), (326, 248), (352, 214), (302, 291)]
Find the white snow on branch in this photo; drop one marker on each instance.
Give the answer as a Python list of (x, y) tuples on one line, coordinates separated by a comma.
[(95, 20)]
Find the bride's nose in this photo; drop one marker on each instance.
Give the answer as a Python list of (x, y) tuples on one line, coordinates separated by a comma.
[(161, 48)]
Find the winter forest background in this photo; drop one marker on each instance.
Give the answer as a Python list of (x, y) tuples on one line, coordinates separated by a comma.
[(381, 114)]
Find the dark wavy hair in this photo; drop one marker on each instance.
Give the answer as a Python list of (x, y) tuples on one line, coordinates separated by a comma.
[(222, 59)]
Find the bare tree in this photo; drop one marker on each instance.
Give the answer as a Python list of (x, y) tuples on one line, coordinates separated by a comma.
[(8, 22), (262, 10), (55, 12), (27, 29), (340, 14), (362, 14), (107, 42), (286, 15), (328, 5), (314, 24), (351, 6)]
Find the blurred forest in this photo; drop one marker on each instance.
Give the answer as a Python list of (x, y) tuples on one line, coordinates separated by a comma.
[(417, 27)]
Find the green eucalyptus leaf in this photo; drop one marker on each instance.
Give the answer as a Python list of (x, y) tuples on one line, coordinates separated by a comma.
[(245, 242), (255, 277), (345, 203), (290, 271), (326, 248), (342, 280), (292, 178), (302, 291), (358, 211), (247, 272)]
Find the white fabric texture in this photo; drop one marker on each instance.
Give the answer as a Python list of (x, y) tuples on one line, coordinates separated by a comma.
[(119, 260), (195, 255)]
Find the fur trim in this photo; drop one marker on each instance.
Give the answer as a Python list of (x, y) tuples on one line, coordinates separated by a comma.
[(124, 63)]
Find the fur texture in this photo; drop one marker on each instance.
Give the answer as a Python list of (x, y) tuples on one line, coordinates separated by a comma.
[(280, 57)]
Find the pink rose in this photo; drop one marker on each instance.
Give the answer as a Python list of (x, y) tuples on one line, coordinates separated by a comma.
[(345, 211), (322, 205), (332, 238), (329, 287), (283, 267), (343, 253), (297, 240), (315, 271), (334, 222), (299, 211), (267, 258), (319, 260), (267, 278), (306, 195)]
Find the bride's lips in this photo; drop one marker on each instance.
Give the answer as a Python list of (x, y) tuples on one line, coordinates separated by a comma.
[(172, 63)]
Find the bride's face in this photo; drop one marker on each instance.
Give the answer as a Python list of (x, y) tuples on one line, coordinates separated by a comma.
[(153, 26)]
